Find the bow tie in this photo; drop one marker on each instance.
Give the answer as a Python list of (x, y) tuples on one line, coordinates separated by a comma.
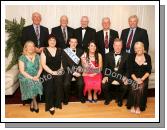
[(117, 54), (83, 28)]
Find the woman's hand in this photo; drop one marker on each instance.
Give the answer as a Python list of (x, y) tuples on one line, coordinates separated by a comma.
[(35, 78), (139, 81)]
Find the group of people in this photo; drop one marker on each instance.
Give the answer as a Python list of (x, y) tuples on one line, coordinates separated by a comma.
[(96, 61)]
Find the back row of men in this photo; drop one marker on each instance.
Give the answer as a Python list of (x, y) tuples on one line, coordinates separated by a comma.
[(84, 34)]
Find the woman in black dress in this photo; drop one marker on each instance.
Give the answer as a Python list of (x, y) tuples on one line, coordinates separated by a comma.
[(140, 69), (53, 75)]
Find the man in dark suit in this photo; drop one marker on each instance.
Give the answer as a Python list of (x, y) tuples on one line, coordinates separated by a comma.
[(63, 33), (114, 83), (84, 34), (73, 70), (134, 34), (36, 33), (105, 38)]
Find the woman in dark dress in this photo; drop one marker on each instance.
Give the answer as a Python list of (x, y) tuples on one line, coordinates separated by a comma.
[(140, 69), (53, 76)]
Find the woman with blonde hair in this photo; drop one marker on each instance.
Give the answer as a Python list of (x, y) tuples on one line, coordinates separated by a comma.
[(30, 71), (140, 69)]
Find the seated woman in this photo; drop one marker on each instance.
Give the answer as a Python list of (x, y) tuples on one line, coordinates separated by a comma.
[(51, 62), (140, 69), (92, 66), (30, 71)]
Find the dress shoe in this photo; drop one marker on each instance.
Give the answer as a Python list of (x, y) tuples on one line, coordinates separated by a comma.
[(52, 112), (95, 100), (142, 108), (36, 110), (65, 103), (120, 103), (91, 101), (106, 102), (31, 109), (60, 106), (82, 100)]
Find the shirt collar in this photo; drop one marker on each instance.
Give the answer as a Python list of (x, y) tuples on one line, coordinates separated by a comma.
[(34, 25), (63, 27)]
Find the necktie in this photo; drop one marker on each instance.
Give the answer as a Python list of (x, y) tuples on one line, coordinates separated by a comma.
[(129, 40), (37, 34), (64, 35), (106, 40)]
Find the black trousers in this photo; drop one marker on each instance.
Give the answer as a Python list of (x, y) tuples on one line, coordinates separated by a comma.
[(110, 91), (79, 84)]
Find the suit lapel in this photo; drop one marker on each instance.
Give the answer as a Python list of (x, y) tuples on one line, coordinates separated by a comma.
[(134, 38), (135, 35), (127, 34), (33, 32), (80, 34), (112, 60), (122, 60), (86, 33), (41, 35), (102, 37), (61, 33)]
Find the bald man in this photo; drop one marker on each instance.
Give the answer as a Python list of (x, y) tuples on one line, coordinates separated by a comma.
[(63, 32), (105, 37), (36, 33), (84, 34)]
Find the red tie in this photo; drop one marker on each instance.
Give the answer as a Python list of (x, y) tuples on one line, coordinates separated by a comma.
[(129, 40), (106, 40)]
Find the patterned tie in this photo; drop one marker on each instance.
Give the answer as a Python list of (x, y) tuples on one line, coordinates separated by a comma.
[(37, 34), (106, 40), (129, 40), (64, 35)]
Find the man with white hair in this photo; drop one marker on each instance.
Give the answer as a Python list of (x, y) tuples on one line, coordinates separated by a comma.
[(84, 34), (36, 33), (63, 32), (105, 37), (134, 34)]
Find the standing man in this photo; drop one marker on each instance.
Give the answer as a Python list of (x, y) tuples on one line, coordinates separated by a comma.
[(63, 32), (36, 33), (84, 34), (115, 74), (134, 34), (73, 72), (105, 38)]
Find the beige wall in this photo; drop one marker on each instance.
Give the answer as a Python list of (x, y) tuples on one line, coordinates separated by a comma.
[(118, 13)]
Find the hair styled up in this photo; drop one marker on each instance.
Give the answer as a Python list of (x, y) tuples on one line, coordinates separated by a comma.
[(96, 54)]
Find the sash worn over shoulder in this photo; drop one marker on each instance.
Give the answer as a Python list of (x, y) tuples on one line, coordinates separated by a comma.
[(72, 55)]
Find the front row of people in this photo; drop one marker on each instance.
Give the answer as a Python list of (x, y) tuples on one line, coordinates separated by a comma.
[(119, 72)]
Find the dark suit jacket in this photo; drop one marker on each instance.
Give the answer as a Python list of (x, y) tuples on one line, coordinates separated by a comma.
[(67, 61), (28, 33), (140, 35), (90, 35), (100, 41), (57, 31), (109, 66)]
